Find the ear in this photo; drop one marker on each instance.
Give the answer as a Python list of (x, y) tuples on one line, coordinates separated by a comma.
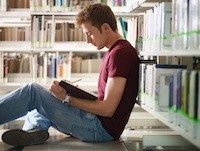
[(105, 27)]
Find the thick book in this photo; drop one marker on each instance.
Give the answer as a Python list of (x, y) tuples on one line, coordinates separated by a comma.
[(77, 92)]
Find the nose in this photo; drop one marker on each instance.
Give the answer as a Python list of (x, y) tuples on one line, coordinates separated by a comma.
[(88, 39)]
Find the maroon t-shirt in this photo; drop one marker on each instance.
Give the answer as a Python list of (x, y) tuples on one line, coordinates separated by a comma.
[(121, 60)]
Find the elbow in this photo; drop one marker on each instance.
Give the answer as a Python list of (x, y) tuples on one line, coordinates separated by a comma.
[(109, 113)]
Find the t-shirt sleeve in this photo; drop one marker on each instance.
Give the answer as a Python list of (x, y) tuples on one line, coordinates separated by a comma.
[(120, 64)]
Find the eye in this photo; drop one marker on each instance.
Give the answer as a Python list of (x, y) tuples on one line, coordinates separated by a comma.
[(89, 34)]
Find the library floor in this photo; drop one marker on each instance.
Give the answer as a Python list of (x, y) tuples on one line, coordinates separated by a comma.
[(131, 140), (59, 142)]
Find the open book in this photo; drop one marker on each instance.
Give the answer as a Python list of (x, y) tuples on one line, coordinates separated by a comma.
[(77, 92)]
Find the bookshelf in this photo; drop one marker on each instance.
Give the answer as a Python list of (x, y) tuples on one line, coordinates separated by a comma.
[(183, 45), (14, 31), (19, 16)]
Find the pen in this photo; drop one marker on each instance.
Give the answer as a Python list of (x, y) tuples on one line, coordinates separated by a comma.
[(76, 81)]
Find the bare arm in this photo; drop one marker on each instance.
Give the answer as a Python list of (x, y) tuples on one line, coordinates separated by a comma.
[(113, 93)]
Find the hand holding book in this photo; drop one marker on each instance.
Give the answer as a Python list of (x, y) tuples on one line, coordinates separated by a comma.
[(76, 92)]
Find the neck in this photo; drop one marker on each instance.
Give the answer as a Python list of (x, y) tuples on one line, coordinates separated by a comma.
[(113, 38)]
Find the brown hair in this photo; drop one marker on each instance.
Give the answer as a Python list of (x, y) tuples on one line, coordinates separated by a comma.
[(97, 14)]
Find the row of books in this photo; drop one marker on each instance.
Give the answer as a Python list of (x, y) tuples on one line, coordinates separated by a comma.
[(59, 5), (47, 29), (127, 27), (170, 25), (61, 66), (173, 89), (7, 5), (186, 24), (51, 65), (154, 28), (15, 34), (16, 63), (117, 2)]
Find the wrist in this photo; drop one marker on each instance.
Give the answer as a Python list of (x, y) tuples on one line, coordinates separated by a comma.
[(66, 99)]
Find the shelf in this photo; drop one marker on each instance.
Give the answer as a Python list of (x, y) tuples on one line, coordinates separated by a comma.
[(142, 6), (73, 14), (88, 82), (170, 53), (16, 13), (55, 13), (14, 24), (15, 46), (163, 117), (8, 87), (70, 46), (153, 1)]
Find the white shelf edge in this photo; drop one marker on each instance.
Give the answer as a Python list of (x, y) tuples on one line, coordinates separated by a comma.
[(24, 13), (170, 53), (70, 46), (89, 82), (152, 1), (54, 13), (172, 126), (14, 24), (15, 46), (25, 46)]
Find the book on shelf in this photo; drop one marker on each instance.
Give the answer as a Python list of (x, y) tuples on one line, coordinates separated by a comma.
[(140, 32), (193, 94), (76, 64), (189, 118), (166, 22), (184, 99), (184, 23), (120, 28), (90, 65), (198, 109), (143, 79), (193, 101), (193, 24), (175, 99), (162, 78), (132, 30), (157, 27), (59, 5), (77, 92), (123, 25)]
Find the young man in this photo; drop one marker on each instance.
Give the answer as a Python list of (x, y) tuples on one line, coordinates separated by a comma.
[(101, 120)]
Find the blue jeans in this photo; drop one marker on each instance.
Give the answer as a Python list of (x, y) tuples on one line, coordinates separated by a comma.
[(46, 110)]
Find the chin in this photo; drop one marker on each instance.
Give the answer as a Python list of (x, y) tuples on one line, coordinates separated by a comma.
[(99, 48)]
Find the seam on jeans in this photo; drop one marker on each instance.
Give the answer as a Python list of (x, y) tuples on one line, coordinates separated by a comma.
[(96, 135)]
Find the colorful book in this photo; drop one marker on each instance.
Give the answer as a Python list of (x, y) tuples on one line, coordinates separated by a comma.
[(163, 83)]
